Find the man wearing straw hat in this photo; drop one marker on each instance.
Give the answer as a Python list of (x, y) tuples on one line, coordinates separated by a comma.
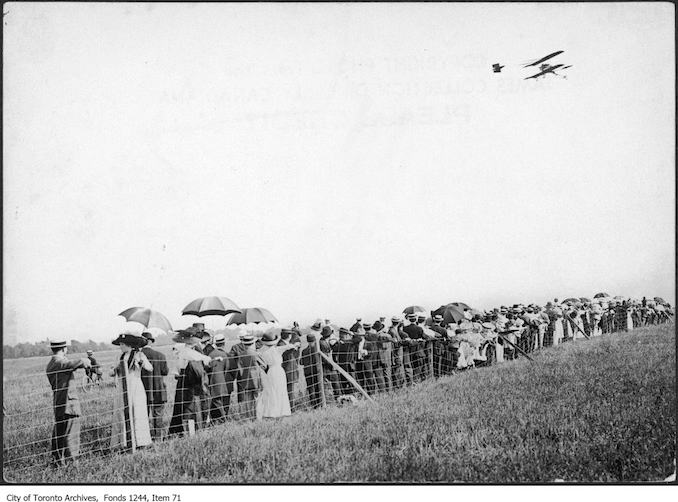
[(66, 431), (220, 386), (245, 370)]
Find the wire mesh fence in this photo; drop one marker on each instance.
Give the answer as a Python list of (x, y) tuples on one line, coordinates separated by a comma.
[(250, 382)]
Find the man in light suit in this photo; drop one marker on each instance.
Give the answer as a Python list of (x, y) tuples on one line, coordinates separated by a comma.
[(66, 430)]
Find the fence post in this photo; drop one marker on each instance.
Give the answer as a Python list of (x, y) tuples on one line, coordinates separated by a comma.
[(429, 353), (321, 376)]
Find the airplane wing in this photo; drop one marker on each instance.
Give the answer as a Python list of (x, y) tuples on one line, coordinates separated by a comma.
[(544, 72), (544, 59), (538, 74)]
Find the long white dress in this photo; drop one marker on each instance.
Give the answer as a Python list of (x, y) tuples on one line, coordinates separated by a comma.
[(273, 401), (135, 414)]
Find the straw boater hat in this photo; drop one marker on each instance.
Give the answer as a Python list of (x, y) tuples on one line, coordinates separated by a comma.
[(219, 339), (437, 318), (134, 341), (395, 319), (343, 332), (58, 345), (247, 339)]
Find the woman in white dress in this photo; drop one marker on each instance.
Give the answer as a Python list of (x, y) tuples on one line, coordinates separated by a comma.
[(130, 428), (273, 401)]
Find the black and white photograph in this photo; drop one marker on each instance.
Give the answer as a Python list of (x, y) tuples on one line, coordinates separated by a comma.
[(337, 243)]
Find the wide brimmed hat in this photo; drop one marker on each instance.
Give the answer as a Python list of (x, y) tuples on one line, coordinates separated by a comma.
[(148, 335), (377, 326), (58, 345), (316, 326), (189, 336), (344, 332), (270, 338), (488, 325), (134, 341)]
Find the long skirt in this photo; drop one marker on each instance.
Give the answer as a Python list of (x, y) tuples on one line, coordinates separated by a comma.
[(273, 401), (130, 427)]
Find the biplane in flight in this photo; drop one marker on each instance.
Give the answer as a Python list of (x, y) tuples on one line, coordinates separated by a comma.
[(546, 68)]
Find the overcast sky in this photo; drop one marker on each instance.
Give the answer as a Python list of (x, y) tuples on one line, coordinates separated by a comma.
[(331, 160)]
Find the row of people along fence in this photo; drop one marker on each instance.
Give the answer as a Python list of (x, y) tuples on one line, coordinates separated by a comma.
[(285, 371)]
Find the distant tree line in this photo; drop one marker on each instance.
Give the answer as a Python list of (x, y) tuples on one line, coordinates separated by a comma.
[(42, 348)]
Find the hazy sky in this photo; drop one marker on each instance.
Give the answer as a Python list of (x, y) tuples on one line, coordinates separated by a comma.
[(331, 160)]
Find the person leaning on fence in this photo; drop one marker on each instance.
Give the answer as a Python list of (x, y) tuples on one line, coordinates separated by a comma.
[(417, 354), (372, 346), (310, 360), (290, 364), (192, 383), (130, 428), (220, 386), (246, 371), (438, 344), (65, 445), (329, 373), (345, 355), (273, 402), (154, 383), (397, 370), (385, 357)]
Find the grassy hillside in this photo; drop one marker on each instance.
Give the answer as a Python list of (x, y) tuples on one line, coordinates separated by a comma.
[(596, 410)]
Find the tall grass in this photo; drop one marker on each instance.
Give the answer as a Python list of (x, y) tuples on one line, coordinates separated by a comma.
[(597, 410)]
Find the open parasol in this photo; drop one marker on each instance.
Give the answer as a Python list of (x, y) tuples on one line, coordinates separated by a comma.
[(151, 319)]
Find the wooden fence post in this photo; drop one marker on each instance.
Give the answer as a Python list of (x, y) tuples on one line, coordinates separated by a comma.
[(319, 368)]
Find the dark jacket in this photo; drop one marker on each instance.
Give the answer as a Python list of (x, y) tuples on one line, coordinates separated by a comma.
[(154, 382), (345, 354), (416, 333), (217, 372), (60, 375), (310, 358), (372, 347), (326, 349), (291, 360), (245, 367)]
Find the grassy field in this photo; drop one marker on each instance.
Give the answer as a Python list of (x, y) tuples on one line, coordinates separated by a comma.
[(599, 410)]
